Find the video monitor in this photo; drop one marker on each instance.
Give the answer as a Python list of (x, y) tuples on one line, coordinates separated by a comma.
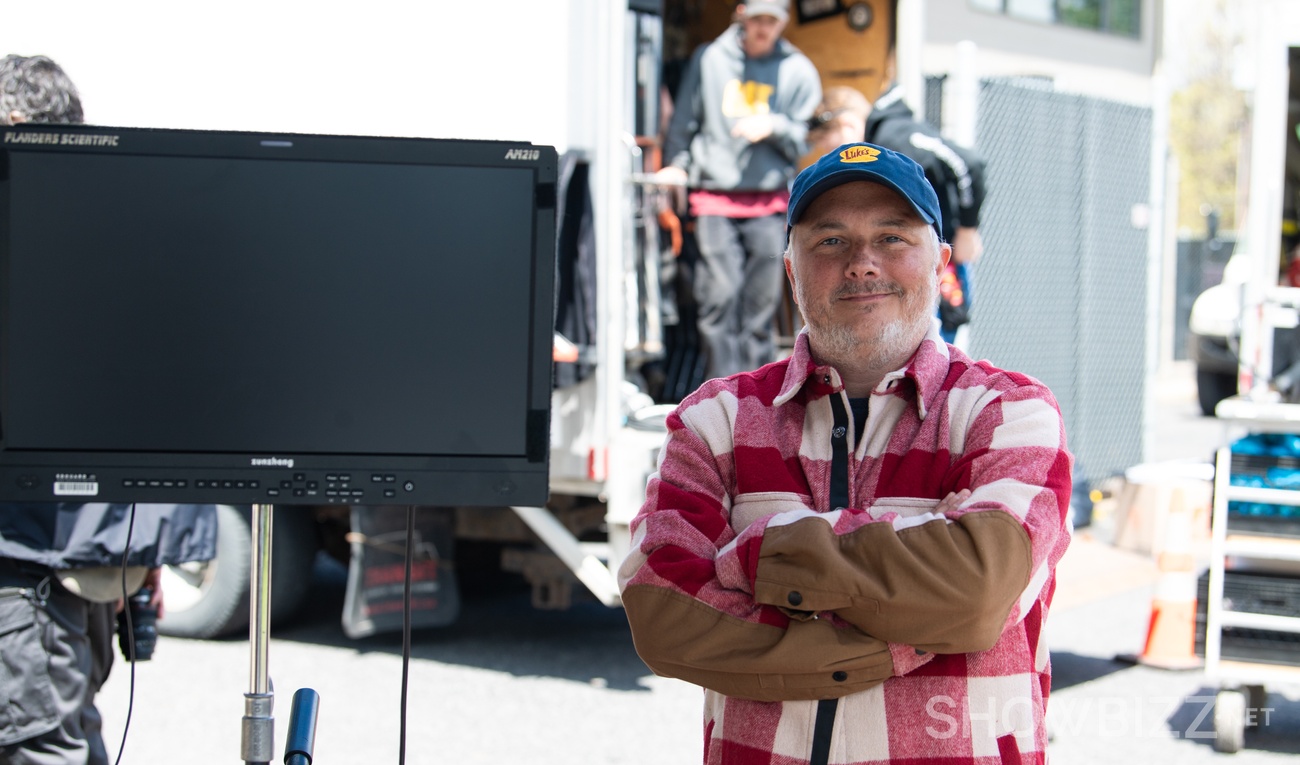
[(230, 317)]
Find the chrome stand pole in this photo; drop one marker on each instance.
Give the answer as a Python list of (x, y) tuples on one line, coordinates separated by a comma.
[(258, 725)]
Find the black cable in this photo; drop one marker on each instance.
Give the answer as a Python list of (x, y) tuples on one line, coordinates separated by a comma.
[(406, 628), (130, 635)]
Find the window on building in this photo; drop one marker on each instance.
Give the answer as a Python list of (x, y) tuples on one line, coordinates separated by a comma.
[(1117, 17)]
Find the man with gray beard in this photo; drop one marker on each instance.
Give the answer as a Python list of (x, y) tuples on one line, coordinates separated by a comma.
[(853, 550)]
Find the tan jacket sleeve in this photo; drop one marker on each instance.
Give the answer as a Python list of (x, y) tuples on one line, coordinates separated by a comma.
[(678, 636), (941, 587)]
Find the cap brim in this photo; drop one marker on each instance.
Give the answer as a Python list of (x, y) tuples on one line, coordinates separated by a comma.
[(849, 175)]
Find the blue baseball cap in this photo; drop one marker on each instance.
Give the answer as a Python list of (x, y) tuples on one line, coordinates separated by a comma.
[(865, 162)]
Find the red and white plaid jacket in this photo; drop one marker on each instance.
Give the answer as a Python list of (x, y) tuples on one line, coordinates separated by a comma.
[(928, 628)]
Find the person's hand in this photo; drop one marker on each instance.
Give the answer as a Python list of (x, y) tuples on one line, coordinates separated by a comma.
[(153, 580), (670, 176), (952, 502), (753, 128), (967, 246)]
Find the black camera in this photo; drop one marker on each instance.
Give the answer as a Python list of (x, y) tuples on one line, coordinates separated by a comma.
[(143, 635)]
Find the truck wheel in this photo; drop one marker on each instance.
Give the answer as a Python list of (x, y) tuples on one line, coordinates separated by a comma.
[(210, 599), (1213, 387)]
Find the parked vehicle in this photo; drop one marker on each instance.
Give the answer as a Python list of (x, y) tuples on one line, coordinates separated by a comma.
[(1214, 337), (1215, 334)]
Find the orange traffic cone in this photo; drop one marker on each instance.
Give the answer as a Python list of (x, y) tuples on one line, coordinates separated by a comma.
[(1171, 632)]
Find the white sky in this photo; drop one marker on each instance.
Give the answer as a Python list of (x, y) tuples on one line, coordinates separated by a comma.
[(382, 67)]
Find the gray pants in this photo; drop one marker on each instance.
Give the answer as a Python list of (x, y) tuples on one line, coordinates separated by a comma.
[(737, 287), (55, 653)]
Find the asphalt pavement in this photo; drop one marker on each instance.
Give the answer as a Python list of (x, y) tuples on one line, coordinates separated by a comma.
[(508, 683)]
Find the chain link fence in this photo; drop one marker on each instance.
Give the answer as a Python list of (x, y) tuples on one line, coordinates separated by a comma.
[(1061, 292)]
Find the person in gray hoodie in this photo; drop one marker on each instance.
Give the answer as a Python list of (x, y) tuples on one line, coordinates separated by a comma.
[(739, 126)]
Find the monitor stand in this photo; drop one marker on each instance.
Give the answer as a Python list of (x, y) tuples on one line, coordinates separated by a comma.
[(257, 742), (257, 729)]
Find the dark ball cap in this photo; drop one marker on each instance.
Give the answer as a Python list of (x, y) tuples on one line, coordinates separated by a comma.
[(865, 162)]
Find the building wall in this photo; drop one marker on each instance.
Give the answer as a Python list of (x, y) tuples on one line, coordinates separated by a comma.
[(1075, 60)]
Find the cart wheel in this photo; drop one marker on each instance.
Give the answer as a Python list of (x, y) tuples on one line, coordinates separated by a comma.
[(1257, 697), (1229, 721)]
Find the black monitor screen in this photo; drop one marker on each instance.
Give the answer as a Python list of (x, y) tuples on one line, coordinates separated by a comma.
[(359, 307)]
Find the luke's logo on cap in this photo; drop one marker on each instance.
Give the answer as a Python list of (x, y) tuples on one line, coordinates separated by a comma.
[(859, 154)]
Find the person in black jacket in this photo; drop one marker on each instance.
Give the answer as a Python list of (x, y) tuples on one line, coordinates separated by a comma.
[(66, 568), (957, 174)]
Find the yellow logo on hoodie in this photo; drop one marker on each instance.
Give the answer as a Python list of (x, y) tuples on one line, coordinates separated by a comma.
[(742, 99)]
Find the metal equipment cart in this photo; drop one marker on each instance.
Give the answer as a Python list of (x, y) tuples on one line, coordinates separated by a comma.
[(1252, 603)]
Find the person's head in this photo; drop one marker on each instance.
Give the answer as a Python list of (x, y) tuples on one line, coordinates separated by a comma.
[(840, 118), (35, 89), (864, 256), (763, 22)]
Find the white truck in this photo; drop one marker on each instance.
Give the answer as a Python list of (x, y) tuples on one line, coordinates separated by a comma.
[(581, 75)]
